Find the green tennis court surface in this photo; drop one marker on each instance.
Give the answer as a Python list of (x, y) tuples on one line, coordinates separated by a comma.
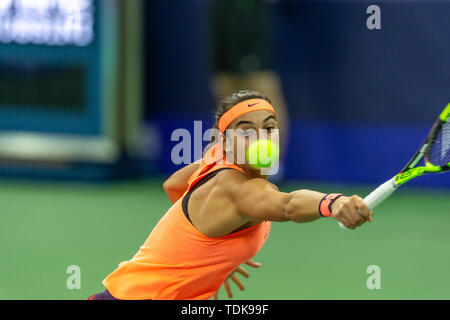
[(47, 227)]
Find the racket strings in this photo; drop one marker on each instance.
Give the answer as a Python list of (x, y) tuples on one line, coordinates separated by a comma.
[(440, 151)]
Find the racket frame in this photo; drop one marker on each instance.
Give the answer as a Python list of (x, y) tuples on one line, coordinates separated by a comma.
[(410, 171)]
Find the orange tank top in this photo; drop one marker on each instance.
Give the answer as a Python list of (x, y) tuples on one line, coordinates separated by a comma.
[(177, 261)]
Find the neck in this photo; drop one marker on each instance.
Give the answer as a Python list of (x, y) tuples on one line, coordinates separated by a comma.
[(252, 172)]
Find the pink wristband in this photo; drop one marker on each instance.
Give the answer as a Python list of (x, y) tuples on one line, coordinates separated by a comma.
[(326, 203)]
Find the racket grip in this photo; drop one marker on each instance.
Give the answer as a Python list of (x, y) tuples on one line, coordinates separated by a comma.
[(377, 196)]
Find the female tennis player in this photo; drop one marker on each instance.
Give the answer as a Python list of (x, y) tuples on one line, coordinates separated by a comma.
[(220, 217)]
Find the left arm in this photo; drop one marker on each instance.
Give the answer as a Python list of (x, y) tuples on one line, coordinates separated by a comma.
[(177, 183)]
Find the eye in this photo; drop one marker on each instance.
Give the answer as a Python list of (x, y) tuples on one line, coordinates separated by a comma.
[(246, 133)]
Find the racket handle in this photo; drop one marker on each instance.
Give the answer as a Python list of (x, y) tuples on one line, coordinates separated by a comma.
[(378, 196)]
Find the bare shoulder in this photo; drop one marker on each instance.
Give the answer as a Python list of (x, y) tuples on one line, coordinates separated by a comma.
[(234, 180), (231, 177)]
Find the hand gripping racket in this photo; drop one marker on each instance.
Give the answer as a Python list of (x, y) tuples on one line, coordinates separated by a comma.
[(436, 154)]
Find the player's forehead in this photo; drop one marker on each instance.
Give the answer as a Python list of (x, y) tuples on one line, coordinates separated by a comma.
[(256, 118)]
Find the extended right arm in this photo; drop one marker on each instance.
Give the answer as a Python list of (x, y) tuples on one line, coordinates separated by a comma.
[(260, 199)]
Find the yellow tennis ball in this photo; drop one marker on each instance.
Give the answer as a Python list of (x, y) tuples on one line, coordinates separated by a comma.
[(262, 153)]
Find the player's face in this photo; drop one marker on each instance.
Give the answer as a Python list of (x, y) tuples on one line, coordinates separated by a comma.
[(247, 128)]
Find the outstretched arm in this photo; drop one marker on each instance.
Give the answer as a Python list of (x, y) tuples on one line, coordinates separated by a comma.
[(177, 183), (260, 199)]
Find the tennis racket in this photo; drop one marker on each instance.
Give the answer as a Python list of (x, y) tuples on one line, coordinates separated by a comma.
[(436, 154)]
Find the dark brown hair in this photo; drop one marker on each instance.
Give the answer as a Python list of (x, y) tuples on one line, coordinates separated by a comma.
[(233, 99)]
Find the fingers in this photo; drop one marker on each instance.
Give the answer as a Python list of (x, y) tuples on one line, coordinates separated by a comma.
[(242, 271), (362, 207), (237, 282), (235, 278), (352, 211), (369, 215), (349, 213), (253, 264), (345, 222), (228, 289)]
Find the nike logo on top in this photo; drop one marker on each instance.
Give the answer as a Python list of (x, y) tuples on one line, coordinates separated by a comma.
[(251, 105)]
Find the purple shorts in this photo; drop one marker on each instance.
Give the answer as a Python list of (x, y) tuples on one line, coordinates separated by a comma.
[(102, 296)]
